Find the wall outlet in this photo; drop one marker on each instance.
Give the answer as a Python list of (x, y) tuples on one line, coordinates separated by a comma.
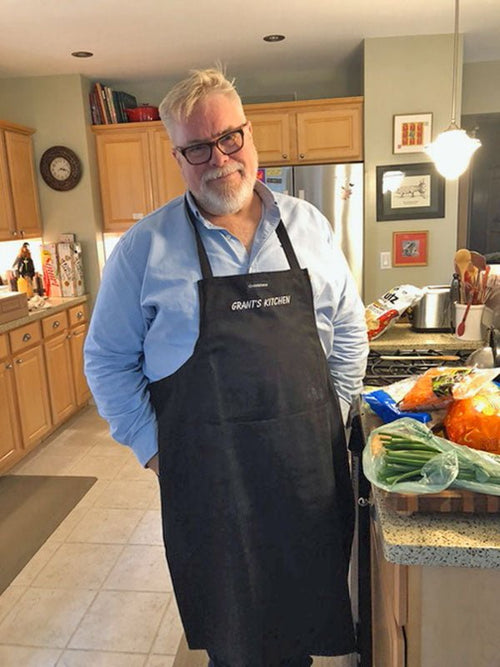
[(385, 260)]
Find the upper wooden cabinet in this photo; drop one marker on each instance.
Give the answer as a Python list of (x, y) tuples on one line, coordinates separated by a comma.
[(137, 172), (308, 132), (19, 207)]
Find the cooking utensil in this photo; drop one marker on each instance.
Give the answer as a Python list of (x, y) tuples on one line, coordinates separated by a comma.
[(462, 260), (461, 326), (478, 260)]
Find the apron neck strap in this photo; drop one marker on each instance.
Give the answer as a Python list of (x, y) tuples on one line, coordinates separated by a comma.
[(206, 269)]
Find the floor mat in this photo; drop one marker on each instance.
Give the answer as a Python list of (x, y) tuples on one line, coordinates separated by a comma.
[(31, 508)]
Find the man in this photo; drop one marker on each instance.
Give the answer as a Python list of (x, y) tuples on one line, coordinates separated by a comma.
[(226, 325)]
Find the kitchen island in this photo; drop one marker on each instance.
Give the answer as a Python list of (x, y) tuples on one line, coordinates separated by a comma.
[(435, 585)]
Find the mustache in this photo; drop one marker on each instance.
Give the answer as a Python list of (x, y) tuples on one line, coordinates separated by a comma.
[(219, 172)]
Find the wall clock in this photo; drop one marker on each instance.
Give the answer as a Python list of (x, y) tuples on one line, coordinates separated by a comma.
[(61, 168)]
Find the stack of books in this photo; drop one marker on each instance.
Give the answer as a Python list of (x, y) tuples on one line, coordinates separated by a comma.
[(108, 106)]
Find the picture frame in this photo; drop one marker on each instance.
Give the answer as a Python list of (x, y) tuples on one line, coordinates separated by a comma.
[(411, 132), (417, 194), (410, 248)]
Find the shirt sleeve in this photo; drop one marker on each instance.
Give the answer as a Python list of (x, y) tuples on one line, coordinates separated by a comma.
[(113, 354)]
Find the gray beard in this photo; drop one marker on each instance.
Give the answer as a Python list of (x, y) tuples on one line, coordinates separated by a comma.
[(228, 202)]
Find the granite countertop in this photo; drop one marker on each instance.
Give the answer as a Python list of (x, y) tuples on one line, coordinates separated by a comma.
[(56, 305), (458, 540), (434, 539), (402, 337)]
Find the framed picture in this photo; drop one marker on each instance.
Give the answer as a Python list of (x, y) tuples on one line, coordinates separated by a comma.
[(412, 132), (409, 248), (409, 192)]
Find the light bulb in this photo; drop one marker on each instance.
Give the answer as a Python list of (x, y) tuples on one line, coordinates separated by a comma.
[(451, 151)]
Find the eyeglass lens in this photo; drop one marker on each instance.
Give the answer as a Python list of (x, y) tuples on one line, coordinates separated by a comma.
[(228, 144)]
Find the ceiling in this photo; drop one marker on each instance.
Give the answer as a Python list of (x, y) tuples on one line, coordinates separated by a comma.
[(148, 39)]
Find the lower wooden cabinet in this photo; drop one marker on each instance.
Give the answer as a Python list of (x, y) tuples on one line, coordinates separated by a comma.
[(10, 443), (77, 339), (59, 366), (32, 395), (41, 380)]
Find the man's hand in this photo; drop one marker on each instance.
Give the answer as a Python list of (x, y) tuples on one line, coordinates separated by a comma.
[(153, 464)]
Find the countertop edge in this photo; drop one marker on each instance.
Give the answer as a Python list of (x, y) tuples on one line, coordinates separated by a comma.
[(57, 305)]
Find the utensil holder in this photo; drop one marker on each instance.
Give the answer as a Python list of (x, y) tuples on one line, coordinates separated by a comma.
[(474, 329)]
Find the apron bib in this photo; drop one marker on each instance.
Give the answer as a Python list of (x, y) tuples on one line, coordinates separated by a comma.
[(257, 502)]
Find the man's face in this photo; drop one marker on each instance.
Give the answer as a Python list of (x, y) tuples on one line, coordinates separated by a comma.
[(225, 183)]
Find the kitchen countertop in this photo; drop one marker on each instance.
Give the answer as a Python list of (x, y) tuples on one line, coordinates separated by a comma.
[(56, 305), (402, 337), (434, 539)]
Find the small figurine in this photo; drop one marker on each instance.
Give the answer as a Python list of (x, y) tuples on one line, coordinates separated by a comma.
[(24, 270)]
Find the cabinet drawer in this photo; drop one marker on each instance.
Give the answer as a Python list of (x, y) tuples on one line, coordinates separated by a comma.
[(25, 336), (78, 314), (54, 323), (4, 346)]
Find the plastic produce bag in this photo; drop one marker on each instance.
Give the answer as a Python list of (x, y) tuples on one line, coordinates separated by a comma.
[(384, 401), (475, 421), (438, 387), (406, 457)]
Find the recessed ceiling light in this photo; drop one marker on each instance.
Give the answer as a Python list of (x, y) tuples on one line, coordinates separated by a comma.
[(274, 38), (82, 54)]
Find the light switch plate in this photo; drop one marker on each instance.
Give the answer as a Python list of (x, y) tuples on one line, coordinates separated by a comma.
[(385, 260)]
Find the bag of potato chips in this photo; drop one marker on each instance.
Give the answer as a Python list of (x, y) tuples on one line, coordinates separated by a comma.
[(385, 312)]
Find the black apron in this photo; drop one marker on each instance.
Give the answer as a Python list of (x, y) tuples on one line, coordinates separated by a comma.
[(257, 501)]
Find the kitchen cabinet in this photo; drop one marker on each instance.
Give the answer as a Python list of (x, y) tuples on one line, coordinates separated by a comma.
[(137, 172), (56, 337), (42, 382), (435, 601), (31, 383), (19, 205), (308, 132), (78, 322), (10, 442)]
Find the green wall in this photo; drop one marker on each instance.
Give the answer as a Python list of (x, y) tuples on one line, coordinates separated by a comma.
[(406, 75)]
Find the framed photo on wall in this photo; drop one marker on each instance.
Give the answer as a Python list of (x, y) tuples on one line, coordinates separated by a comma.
[(409, 248), (412, 132), (409, 192)]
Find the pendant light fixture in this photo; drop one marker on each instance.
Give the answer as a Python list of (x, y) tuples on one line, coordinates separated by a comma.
[(453, 148)]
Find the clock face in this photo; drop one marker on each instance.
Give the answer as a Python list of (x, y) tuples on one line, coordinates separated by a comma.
[(60, 168)]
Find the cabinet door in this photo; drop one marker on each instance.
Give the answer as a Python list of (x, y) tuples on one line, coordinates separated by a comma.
[(32, 395), (10, 441), (82, 391), (7, 225), (272, 136), (23, 183), (167, 178), (60, 377), (125, 176), (332, 135)]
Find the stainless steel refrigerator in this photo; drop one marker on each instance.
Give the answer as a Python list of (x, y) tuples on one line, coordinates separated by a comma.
[(337, 191)]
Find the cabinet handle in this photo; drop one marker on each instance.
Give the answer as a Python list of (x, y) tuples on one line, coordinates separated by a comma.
[(19, 361), (56, 324), (8, 367), (284, 156), (26, 337), (79, 315), (68, 336), (302, 156), (14, 233)]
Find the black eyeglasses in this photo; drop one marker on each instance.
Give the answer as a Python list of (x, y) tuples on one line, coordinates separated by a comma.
[(228, 143)]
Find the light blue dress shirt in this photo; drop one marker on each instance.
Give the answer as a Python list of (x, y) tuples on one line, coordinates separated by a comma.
[(146, 318)]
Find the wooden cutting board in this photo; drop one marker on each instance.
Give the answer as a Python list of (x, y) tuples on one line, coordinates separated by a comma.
[(451, 500)]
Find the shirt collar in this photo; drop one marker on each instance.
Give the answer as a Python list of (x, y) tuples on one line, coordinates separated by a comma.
[(270, 213)]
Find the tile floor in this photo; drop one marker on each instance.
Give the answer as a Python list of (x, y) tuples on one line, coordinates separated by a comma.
[(97, 593)]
